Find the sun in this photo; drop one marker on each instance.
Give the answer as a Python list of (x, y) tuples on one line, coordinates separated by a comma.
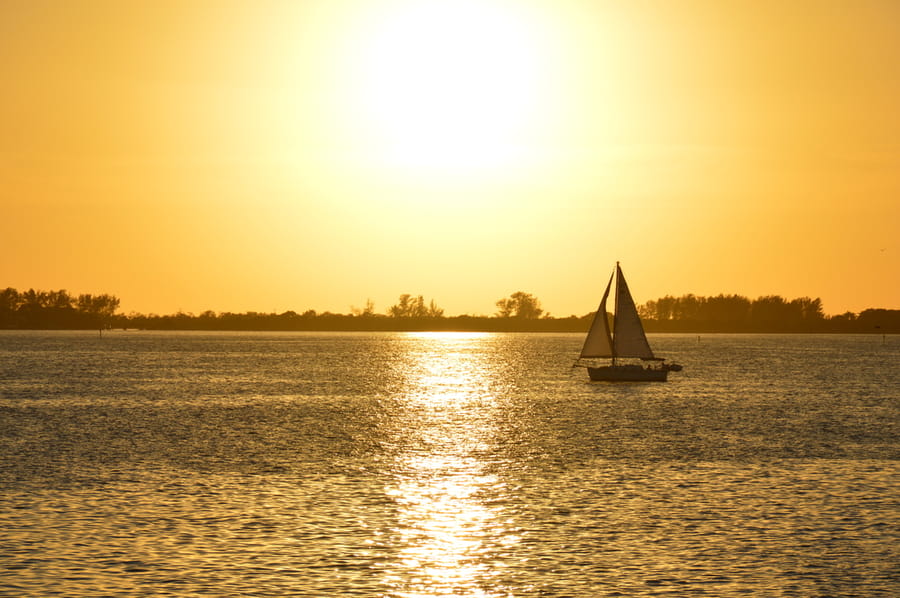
[(450, 86)]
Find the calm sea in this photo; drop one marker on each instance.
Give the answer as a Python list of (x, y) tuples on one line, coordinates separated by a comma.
[(294, 464)]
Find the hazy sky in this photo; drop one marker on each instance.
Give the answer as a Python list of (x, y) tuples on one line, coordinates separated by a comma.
[(274, 155)]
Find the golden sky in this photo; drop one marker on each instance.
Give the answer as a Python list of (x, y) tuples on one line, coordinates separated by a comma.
[(274, 155)]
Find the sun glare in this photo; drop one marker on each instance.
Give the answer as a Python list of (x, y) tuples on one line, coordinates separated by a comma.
[(449, 506), (450, 86)]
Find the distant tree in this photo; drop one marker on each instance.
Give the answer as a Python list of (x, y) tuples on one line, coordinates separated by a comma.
[(519, 305), (100, 308), (404, 308), (408, 306), (31, 299), (368, 310), (810, 310), (769, 311), (724, 309), (434, 311), (9, 304), (661, 310), (57, 299), (505, 308), (9, 299), (30, 309), (687, 307), (887, 320)]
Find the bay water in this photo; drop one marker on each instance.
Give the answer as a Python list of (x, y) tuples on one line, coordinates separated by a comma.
[(415, 465)]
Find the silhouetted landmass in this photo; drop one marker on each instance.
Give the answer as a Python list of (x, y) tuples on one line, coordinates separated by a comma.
[(56, 310), (771, 313), (521, 312), (735, 313)]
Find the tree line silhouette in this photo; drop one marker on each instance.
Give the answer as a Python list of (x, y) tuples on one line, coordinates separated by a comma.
[(58, 310), (769, 313)]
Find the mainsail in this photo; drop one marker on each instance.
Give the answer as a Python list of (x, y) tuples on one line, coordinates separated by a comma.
[(627, 338)]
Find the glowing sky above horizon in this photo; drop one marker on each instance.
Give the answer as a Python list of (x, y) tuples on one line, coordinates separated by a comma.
[(270, 155)]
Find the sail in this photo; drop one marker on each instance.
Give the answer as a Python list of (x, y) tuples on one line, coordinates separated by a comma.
[(628, 333), (598, 342)]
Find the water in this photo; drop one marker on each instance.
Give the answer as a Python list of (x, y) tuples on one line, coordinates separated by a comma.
[(445, 465)]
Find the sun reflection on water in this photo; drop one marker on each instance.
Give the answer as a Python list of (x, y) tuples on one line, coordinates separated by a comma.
[(450, 525)]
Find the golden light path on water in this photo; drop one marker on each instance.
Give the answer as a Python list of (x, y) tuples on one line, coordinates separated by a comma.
[(451, 520)]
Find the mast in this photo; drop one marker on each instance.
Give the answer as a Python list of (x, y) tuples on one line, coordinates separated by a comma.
[(616, 311)]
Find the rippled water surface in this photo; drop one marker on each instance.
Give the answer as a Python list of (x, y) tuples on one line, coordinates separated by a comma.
[(445, 465)]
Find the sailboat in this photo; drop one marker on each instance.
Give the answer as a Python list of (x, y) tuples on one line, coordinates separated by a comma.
[(627, 340)]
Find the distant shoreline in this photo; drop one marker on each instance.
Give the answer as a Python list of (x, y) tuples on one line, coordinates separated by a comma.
[(689, 314), (461, 324), (870, 321)]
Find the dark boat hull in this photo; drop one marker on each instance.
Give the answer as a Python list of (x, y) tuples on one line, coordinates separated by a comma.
[(628, 373)]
